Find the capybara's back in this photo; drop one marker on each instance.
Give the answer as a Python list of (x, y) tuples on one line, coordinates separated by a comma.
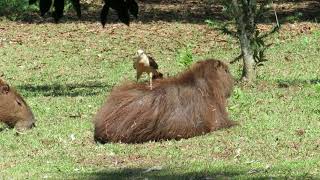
[(14, 111), (192, 104)]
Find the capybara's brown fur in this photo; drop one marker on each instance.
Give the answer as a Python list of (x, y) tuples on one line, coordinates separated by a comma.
[(191, 104), (14, 111)]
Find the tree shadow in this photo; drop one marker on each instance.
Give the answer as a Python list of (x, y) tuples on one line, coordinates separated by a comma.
[(72, 89), (185, 11), (291, 11), (296, 82), (227, 173)]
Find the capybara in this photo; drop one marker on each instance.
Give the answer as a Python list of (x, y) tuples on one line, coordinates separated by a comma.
[(190, 104), (14, 111)]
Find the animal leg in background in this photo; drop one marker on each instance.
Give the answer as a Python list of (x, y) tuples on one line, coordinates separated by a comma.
[(139, 73)]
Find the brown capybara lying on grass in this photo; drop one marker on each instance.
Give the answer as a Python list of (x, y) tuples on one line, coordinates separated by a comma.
[(14, 111), (191, 104)]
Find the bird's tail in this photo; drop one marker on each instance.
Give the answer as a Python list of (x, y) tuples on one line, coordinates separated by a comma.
[(157, 75)]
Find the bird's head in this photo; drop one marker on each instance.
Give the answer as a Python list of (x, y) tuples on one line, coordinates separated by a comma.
[(140, 52)]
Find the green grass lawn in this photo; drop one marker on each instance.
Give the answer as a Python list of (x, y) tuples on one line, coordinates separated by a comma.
[(65, 71)]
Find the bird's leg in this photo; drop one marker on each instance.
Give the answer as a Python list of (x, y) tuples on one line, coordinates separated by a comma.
[(150, 77), (138, 75)]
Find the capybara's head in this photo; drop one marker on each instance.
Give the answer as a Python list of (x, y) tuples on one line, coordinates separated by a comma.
[(14, 111), (216, 73)]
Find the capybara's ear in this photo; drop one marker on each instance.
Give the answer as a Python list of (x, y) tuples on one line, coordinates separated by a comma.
[(4, 89)]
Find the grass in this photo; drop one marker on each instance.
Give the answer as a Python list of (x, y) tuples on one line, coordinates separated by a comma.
[(65, 71)]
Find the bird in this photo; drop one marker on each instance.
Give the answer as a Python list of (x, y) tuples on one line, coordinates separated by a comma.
[(144, 63)]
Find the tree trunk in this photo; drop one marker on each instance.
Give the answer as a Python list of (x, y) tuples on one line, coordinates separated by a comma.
[(248, 71), (245, 26)]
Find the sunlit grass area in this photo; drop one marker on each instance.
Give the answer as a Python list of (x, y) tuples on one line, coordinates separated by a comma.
[(65, 72)]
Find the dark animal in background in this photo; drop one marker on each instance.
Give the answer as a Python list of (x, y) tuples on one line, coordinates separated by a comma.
[(58, 9), (122, 7), (58, 5), (32, 2), (77, 7), (14, 111), (44, 6), (191, 104), (144, 63)]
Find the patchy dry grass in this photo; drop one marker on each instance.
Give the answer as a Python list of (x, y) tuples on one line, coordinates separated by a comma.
[(66, 70)]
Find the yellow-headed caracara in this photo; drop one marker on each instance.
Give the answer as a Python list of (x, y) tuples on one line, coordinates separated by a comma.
[(144, 63)]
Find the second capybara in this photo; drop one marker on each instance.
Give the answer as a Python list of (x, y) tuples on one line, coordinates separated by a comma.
[(14, 111)]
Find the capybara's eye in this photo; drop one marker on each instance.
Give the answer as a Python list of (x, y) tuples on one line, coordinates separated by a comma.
[(19, 103)]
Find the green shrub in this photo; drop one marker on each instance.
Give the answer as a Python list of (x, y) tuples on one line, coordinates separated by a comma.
[(14, 8), (185, 56)]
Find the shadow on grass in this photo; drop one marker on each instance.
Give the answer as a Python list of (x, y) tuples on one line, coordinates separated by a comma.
[(149, 11), (139, 173), (297, 82), (72, 90), (185, 11), (292, 11)]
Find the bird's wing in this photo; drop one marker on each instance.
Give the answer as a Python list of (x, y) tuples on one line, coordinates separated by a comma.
[(152, 62)]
